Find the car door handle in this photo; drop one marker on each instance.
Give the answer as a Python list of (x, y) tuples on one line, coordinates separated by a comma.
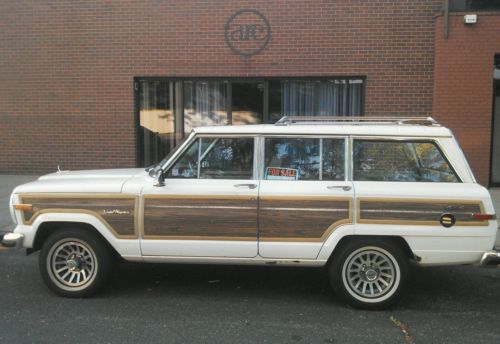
[(250, 186), (343, 187)]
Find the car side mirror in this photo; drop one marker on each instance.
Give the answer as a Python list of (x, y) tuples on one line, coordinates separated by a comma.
[(160, 179)]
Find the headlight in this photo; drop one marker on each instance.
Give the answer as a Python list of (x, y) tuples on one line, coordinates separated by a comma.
[(11, 208)]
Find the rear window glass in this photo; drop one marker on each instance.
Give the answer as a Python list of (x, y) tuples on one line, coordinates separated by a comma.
[(402, 161)]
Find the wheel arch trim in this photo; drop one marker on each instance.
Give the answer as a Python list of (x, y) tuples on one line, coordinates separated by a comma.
[(121, 246), (347, 232)]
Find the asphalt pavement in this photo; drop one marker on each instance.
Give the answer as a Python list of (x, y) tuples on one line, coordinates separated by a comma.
[(156, 303)]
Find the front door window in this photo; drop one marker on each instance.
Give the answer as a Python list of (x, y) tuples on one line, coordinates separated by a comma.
[(216, 158)]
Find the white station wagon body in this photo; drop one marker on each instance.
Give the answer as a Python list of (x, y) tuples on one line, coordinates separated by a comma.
[(283, 202)]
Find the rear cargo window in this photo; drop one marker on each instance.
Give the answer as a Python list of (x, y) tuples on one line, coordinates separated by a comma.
[(400, 161)]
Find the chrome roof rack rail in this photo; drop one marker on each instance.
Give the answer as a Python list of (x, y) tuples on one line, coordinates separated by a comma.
[(290, 120)]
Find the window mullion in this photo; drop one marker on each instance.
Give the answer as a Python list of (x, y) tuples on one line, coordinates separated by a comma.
[(321, 159), (199, 157)]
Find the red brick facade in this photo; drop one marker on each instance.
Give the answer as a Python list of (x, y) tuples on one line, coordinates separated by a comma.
[(67, 67), (464, 84)]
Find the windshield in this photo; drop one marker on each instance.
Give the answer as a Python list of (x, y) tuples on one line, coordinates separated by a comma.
[(153, 169)]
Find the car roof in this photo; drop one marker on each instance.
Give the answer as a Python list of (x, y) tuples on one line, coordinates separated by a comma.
[(406, 130)]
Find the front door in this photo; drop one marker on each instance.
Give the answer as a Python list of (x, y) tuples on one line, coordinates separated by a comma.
[(208, 206), (304, 195)]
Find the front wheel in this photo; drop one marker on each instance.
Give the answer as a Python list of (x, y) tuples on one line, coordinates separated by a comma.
[(74, 263), (369, 273)]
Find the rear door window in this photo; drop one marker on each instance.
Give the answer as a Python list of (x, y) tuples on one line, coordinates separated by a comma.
[(296, 158)]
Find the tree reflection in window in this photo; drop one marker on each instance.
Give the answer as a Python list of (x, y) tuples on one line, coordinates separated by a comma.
[(215, 158), (303, 155), (402, 161)]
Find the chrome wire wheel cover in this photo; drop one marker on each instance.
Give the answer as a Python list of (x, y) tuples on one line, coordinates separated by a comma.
[(72, 264), (371, 274)]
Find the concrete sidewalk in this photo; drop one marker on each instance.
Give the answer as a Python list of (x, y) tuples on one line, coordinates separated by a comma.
[(9, 182)]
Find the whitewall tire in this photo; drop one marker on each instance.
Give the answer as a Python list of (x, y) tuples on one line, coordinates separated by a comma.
[(369, 273)]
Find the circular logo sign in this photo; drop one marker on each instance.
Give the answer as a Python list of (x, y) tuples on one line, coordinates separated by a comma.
[(247, 32)]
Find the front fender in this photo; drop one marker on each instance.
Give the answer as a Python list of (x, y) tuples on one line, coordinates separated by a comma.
[(125, 247)]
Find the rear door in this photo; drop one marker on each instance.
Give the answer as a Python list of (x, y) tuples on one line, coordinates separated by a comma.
[(304, 194)]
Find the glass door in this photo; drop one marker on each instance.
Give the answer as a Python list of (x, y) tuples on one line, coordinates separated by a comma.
[(495, 139), (157, 120), (247, 106)]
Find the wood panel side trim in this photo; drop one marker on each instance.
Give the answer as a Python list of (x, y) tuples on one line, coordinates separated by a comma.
[(207, 207), (405, 211), (110, 218), (305, 205)]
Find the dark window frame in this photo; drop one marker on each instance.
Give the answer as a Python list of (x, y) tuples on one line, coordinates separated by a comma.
[(474, 5)]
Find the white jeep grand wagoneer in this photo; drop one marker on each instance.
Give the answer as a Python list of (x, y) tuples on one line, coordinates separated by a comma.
[(363, 197)]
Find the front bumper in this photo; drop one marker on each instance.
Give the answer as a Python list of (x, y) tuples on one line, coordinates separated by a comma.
[(490, 258), (12, 240)]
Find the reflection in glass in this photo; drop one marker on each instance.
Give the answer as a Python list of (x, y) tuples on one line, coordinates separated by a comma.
[(333, 159), (301, 154), (400, 161), (337, 97), (227, 158), (220, 158), (156, 118), (205, 103), (187, 165), (248, 102)]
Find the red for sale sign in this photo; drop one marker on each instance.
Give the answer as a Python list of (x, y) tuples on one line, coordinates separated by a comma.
[(282, 173)]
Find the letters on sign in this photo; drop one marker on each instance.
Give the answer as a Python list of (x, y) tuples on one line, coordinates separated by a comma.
[(282, 173)]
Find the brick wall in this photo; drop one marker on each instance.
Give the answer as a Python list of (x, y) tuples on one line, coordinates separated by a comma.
[(66, 67), (463, 91)]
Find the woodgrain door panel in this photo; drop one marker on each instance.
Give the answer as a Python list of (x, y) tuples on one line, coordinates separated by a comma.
[(200, 218), (296, 217)]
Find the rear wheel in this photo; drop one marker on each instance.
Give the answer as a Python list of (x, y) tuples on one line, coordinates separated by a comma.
[(369, 273), (75, 263)]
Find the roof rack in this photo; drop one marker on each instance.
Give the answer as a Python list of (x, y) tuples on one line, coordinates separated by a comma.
[(289, 120)]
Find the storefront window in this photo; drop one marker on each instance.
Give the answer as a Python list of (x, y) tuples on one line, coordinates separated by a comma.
[(170, 108), (315, 98), (205, 103), (247, 102), (474, 5), (156, 120)]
